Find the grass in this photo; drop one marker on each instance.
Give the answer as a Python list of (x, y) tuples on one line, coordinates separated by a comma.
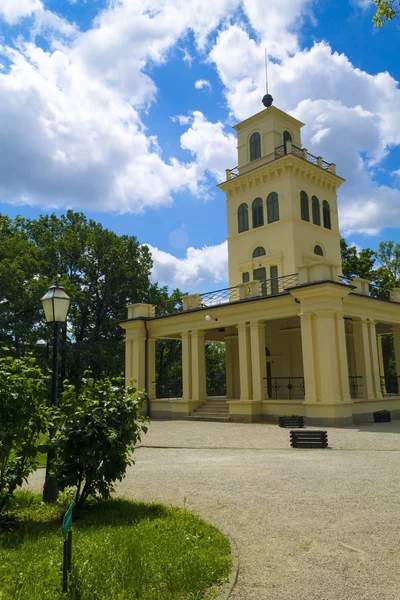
[(122, 550)]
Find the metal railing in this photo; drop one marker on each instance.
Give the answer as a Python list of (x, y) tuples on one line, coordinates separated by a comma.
[(170, 389), (284, 388), (390, 385), (287, 149), (355, 386)]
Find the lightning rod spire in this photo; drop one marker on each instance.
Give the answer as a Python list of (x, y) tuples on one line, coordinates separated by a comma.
[(267, 99)]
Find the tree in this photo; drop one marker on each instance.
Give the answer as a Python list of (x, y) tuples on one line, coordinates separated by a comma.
[(215, 369), (98, 428), (356, 264), (386, 10), (23, 418)]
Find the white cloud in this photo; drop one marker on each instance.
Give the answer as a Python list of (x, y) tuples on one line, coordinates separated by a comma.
[(206, 265), (200, 84), (15, 10)]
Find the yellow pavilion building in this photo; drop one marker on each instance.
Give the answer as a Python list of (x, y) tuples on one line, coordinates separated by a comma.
[(299, 338)]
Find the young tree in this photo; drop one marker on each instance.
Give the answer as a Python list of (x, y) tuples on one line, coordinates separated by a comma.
[(98, 428), (23, 418)]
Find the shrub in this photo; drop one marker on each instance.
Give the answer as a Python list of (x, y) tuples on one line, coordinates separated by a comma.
[(24, 417), (97, 430)]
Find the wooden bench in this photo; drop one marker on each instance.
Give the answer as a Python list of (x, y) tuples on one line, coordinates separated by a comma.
[(309, 439), (291, 421)]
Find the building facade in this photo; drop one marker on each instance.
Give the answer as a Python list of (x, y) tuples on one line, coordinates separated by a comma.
[(299, 338)]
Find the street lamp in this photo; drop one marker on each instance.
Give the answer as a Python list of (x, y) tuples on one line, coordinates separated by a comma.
[(55, 305)]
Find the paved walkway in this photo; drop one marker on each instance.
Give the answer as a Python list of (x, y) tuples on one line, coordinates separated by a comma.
[(308, 524)]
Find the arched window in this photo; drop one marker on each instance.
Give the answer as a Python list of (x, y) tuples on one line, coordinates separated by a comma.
[(287, 137), (326, 212), (272, 207), (259, 251), (255, 146), (243, 218), (316, 217), (318, 250), (304, 208), (258, 212)]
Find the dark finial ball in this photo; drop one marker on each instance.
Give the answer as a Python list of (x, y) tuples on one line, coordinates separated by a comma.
[(267, 100)]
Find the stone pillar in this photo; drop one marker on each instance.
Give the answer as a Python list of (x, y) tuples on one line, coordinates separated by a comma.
[(244, 362), (396, 344), (343, 365), (363, 357), (137, 365), (376, 380), (229, 367), (327, 351), (307, 343), (258, 363), (151, 369), (199, 384), (186, 366), (381, 364)]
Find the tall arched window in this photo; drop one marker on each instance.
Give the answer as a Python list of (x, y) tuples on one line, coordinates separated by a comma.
[(259, 251), (272, 207), (243, 218), (258, 212), (287, 137), (304, 208), (316, 217), (318, 250), (326, 212), (255, 146)]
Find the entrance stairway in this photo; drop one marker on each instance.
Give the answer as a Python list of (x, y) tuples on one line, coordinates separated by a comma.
[(213, 409)]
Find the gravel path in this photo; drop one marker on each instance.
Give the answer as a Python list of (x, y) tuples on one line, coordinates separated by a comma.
[(308, 524)]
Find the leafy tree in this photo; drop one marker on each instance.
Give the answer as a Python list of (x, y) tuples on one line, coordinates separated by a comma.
[(356, 264), (386, 10), (215, 368), (98, 428), (23, 418)]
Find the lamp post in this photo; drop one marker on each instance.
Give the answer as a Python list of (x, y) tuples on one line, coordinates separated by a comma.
[(55, 306)]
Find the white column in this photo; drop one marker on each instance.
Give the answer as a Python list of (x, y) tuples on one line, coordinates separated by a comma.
[(258, 363), (381, 364), (199, 384), (151, 369), (376, 380), (326, 356), (396, 344), (229, 367), (343, 370), (244, 362), (363, 357), (306, 321), (138, 362), (186, 366)]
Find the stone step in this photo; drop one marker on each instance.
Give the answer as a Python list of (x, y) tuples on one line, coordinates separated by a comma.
[(212, 409), (205, 417)]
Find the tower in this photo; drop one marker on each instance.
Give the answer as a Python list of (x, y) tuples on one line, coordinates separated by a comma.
[(281, 203)]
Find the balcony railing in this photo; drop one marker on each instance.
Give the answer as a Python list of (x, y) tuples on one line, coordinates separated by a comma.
[(170, 389), (244, 291), (285, 149), (284, 388), (355, 385)]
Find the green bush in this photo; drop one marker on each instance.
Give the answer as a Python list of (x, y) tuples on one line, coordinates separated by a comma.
[(24, 418), (97, 430)]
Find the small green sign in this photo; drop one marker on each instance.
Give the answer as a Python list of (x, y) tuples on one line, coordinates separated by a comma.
[(67, 522)]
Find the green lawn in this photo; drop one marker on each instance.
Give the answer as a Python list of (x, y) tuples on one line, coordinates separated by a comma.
[(122, 550)]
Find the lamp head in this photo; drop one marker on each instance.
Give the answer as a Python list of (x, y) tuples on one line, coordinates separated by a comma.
[(55, 304)]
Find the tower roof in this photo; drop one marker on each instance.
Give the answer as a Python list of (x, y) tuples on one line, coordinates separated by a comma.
[(269, 112)]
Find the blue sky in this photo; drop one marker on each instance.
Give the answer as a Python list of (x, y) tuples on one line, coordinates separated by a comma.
[(123, 110)]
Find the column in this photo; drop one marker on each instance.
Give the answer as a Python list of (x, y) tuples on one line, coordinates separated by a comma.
[(363, 357), (186, 366), (343, 370), (229, 367), (381, 364), (199, 384), (128, 361), (244, 362), (328, 347), (376, 380), (138, 362), (258, 363), (151, 369), (308, 356)]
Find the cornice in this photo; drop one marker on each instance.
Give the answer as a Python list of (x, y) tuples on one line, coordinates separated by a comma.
[(277, 169)]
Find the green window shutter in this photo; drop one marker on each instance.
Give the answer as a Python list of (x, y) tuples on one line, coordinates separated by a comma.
[(258, 212), (255, 146), (316, 217), (272, 207), (274, 280), (318, 250), (259, 251), (243, 218), (304, 208), (245, 277), (259, 274), (326, 212)]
